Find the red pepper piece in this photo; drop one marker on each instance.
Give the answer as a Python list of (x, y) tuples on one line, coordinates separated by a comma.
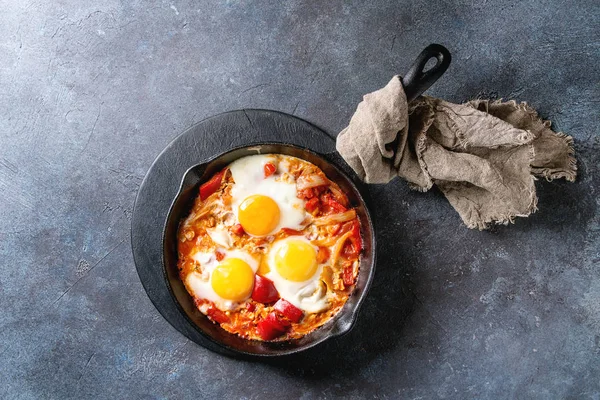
[(272, 326), (217, 315), (238, 229), (264, 290), (348, 275), (312, 204), (353, 246), (289, 310), (250, 307), (355, 238), (212, 185), (291, 232), (335, 206), (269, 169), (330, 205)]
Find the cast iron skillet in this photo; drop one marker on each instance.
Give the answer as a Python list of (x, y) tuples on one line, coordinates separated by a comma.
[(415, 83)]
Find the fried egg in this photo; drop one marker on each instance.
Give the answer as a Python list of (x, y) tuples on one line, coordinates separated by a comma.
[(294, 270), (226, 283), (264, 205)]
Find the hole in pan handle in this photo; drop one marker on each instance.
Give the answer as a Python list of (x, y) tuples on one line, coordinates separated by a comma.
[(417, 80)]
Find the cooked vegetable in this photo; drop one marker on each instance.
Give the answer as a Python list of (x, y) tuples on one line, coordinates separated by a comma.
[(272, 326), (289, 310), (335, 206), (355, 240), (312, 204), (322, 255), (338, 195), (269, 169), (337, 247), (238, 229), (264, 290), (348, 274), (217, 315), (212, 185), (335, 218), (291, 232), (309, 181)]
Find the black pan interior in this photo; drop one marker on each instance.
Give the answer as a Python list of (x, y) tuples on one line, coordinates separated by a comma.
[(180, 208)]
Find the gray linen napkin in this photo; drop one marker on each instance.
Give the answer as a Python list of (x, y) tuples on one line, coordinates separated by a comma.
[(484, 156)]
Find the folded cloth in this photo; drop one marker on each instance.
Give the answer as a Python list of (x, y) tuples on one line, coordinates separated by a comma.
[(484, 156)]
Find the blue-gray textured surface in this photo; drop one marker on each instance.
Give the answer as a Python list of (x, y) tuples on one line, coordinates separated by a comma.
[(90, 92)]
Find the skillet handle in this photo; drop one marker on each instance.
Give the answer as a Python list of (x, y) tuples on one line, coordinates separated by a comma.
[(416, 80)]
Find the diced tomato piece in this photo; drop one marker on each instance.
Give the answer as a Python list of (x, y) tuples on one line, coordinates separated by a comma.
[(322, 255), (325, 197), (312, 204), (329, 205), (238, 229), (338, 196), (291, 232), (211, 186), (269, 169), (250, 307), (348, 275), (353, 246), (220, 256), (335, 206), (317, 190), (310, 192), (289, 310), (217, 315), (355, 238), (272, 326), (305, 194), (264, 290)]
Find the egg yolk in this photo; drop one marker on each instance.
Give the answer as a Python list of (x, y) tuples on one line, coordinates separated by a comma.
[(233, 279), (296, 261), (258, 214)]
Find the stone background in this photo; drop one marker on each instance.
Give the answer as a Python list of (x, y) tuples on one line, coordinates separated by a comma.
[(91, 92)]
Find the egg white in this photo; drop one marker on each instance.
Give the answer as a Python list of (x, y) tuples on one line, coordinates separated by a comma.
[(199, 283), (307, 295), (248, 175)]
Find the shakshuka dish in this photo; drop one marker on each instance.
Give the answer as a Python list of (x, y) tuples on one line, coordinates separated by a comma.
[(271, 248)]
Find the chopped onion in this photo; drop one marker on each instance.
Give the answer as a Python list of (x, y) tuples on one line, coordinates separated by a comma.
[(309, 181), (337, 247), (335, 218), (324, 242), (204, 211), (337, 194)]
